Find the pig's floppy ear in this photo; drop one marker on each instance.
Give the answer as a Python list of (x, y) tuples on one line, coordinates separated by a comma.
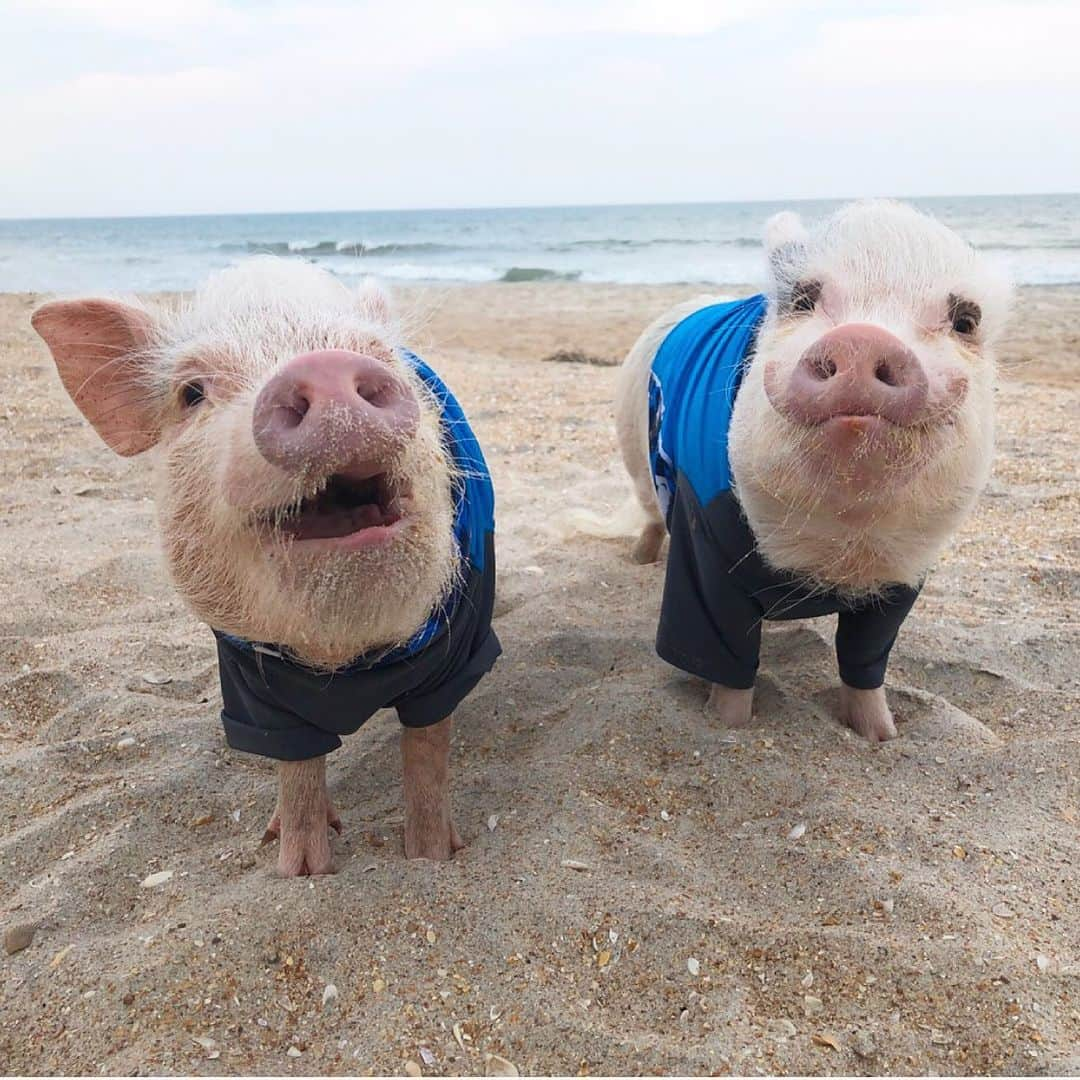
[(96, 346), (375, 302)]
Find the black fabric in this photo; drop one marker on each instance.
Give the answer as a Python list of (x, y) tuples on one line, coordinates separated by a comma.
[(718, 589), (278, 708)]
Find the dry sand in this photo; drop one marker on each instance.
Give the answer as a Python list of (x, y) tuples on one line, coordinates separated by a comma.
[(636, 895)]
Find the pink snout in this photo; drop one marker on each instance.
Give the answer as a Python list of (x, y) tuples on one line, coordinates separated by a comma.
[(334, 411), (855, 370)]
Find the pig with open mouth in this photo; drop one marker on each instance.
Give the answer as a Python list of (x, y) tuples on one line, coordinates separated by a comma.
[(324, 507), (810, 451)]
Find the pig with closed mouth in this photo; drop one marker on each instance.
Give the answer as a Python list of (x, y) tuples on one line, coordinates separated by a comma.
[(323, 506), (809, 451)]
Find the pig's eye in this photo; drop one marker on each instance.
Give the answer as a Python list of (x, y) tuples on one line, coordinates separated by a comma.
[(964, 315), (805, 295), (192, 393)]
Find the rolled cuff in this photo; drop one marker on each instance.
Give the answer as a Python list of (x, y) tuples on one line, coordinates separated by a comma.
[(298, 743), (865, 677), (718, 669)]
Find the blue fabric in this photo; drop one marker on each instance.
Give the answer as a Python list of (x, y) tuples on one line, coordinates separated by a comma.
[(695, 376), (474, 517), (474, 509), (474, 497)]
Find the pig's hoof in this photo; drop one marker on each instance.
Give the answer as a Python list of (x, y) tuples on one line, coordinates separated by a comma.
[(867, 713), (730, 708), (305, 846), (435, 842), (647, 546)]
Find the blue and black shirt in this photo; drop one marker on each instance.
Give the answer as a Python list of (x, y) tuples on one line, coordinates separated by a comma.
[(718, 588), (277, 707)]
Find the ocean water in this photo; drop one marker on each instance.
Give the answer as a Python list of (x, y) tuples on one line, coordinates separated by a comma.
[(1035, 237)]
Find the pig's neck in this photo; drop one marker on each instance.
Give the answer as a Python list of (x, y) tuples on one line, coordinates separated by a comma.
[(893, 545)]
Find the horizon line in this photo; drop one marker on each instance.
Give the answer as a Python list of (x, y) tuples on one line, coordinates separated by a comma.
[(529, 206)]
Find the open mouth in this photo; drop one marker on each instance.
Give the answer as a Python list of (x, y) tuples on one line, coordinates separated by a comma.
[(346, 508)]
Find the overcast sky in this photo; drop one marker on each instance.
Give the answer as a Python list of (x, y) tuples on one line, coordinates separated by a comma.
[(190, 106)]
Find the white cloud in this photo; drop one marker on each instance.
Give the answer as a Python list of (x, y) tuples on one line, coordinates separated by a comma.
[(126, 16), (990, 43), (547, 16)]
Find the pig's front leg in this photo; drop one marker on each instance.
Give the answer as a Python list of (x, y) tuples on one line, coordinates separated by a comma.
[(429, 828), (729, 707), (867, 712), (304, 811)]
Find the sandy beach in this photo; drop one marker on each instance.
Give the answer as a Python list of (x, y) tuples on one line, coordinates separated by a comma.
[(641, 891)]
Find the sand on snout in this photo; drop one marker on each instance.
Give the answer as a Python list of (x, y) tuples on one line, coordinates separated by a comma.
[(642, 892)]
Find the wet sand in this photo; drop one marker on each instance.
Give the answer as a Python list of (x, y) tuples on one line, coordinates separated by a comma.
[(641, 891)]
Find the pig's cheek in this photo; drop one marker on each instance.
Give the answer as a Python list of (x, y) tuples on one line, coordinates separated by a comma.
[(184, 479), (971, 447), (772, 381), (246, 480), (948, 391), (773, 365), (759, 435)]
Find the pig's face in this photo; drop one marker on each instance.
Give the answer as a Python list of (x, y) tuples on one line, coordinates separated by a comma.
[(863, 429), (304, 494)]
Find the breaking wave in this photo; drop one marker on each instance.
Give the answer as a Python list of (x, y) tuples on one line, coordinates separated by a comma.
[(332, 247), (623, 244), (1050, 245), (538, 273), (310, 248)]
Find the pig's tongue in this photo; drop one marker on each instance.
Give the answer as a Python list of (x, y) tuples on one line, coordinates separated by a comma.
[(855, 435), (323, 524), (343, 508)]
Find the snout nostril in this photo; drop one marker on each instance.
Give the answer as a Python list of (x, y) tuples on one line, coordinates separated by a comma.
[(380, 396), (824, 367), (884, 373), (291, 416)]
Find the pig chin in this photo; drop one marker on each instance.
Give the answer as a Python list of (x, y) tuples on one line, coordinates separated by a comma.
[(854, 502), (857, 462)]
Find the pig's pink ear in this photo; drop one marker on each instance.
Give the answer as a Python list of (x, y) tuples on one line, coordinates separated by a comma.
[(375, 302), (785, 244), (96, 345)]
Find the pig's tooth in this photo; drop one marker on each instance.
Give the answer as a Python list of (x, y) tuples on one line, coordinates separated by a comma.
[(391, 498)]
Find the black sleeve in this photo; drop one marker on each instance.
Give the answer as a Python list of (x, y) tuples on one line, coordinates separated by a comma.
[(710, 626), (865, 637)]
